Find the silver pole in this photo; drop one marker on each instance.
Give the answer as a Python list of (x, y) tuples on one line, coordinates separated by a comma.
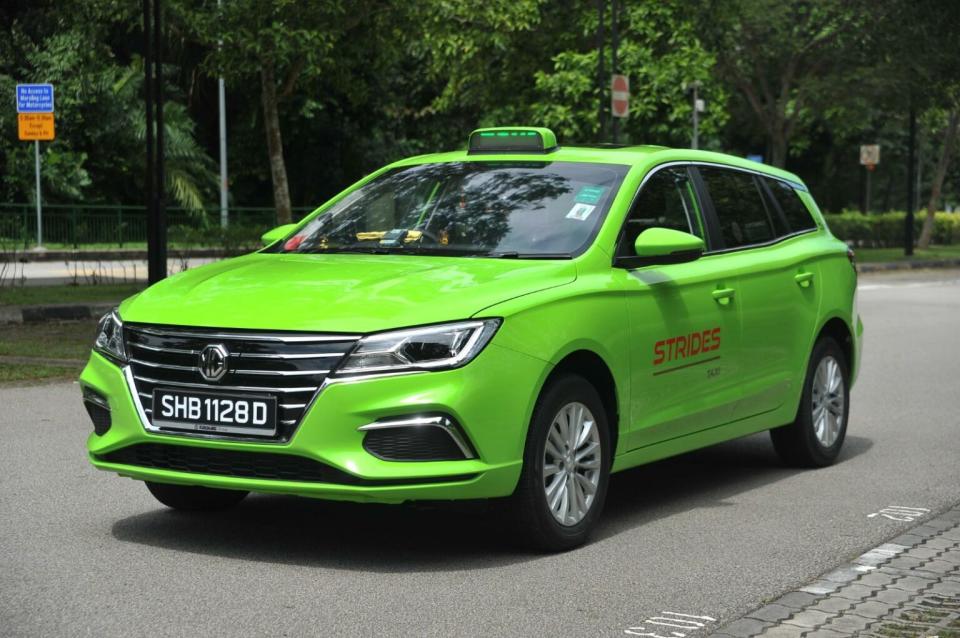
[(224, 212), (36, 157), (222, 99), (696, 118)]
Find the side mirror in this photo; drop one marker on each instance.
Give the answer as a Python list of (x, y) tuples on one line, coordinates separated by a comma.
[(663, 246), (276, 234)]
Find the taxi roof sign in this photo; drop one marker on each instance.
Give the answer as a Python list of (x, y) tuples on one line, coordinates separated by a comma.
[(512, 139)]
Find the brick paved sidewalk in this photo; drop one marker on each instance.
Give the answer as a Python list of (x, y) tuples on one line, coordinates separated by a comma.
[(909, 587)]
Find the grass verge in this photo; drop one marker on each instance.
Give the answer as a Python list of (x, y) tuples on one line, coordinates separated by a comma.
[(873, 255), (13, 372), (35, 295), (49, 340)]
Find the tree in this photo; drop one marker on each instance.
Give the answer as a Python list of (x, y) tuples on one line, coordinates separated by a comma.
[(97, 155), (662, 55), (785, 57), (281, 43)]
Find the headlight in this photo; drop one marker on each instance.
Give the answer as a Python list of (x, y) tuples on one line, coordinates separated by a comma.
[(110, 336), (437, 347)]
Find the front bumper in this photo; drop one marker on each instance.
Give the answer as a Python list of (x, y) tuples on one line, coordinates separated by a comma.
[(492, 398)]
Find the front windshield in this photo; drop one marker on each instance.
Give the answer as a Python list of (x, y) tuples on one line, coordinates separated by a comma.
[(493, 208)]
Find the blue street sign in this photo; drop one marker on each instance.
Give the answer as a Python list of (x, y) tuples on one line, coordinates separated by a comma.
[(755, 158), (34, 98)]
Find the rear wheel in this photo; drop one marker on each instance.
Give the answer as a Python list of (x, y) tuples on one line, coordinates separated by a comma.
[(814, 439), (566, 466), (195, 498)]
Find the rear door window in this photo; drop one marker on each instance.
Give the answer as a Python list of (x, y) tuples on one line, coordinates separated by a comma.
[(743, 215)]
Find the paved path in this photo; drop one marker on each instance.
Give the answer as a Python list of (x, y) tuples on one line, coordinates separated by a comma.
[(707, 536), (909, 587)]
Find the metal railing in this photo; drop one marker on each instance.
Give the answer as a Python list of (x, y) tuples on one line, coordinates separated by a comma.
[(76, 225)]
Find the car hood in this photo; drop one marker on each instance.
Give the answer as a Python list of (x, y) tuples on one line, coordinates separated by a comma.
[(340, 292)]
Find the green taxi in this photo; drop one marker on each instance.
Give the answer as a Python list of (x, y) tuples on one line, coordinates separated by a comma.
[(513, 321)]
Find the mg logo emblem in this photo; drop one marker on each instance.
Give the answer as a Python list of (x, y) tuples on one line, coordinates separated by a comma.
[(213, 362)]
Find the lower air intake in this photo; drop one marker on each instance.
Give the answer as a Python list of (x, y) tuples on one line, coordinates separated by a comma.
[(412, 444), (258, 465)]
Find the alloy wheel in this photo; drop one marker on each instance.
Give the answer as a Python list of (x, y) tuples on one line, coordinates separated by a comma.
[(571, 463), (828, 401)]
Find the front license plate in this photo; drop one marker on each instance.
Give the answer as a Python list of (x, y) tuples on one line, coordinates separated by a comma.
[(215, 413)]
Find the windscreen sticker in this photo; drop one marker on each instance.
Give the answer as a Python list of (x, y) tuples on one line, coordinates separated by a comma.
[(590, 194), (580, 212)]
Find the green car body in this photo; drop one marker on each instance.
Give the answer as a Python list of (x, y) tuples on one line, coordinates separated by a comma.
[(683, 355)]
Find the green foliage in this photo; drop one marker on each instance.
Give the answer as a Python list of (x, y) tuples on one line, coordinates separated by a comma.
[(233, 240), (98, 154), (366, 82), (662, 55), (881, 230)]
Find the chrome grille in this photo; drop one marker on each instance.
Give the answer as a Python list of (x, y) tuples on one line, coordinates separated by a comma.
[(289, 366)]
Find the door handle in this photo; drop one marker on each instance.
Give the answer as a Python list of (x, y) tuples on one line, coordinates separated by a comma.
[(803, 279), (723, 295)]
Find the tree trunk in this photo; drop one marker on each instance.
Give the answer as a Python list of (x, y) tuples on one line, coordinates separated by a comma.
[(271, 124), (949, 137), (778, 150)]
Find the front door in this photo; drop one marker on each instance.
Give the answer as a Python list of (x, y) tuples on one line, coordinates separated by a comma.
[(684, 322)]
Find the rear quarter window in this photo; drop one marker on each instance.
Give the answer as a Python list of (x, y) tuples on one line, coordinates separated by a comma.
[(794, 211)]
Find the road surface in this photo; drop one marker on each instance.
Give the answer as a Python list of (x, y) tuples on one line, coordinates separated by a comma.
[(709, 534)]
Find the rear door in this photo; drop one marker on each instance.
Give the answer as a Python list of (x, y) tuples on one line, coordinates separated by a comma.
[(684, 323), (761, 235)]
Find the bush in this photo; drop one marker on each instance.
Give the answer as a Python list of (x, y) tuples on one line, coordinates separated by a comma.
[(235, 239), (882, 230)]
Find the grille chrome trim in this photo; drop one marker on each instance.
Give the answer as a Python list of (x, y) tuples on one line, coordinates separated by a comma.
[(210, 386), (292, 368), (281, 373), (260, 355), (241, 336), (156, 349), (168, 366)]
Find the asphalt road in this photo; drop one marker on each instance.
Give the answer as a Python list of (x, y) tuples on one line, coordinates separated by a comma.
[(712, 533)]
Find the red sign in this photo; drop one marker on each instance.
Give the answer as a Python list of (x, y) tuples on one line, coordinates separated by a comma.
[(620, 95)]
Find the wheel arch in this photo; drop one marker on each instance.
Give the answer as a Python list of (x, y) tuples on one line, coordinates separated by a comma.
[(838, 329), (592, 367)]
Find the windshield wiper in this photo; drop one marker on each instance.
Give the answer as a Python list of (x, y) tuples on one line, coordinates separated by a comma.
[(512, 254)]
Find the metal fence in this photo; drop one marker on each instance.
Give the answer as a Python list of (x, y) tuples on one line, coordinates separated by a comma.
[(76, 225)]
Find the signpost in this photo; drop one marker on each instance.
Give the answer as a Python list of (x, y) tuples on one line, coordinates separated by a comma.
[(620, 96), (869, 158), (35, 122), (699, 106)]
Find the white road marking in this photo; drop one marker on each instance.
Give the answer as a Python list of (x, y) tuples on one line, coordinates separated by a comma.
[(910, 284), (686, 622), (900, 513)]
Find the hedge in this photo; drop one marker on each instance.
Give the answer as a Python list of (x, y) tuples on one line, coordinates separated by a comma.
[(882, 230)]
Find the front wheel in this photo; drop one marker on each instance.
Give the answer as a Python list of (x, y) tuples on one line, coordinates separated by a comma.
[(814, 439), (566, 466), (195, 498)]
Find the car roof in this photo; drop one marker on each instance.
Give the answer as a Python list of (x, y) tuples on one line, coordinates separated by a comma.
[(645, 155)]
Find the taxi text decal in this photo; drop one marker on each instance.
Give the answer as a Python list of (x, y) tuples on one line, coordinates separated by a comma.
[(682, 347)]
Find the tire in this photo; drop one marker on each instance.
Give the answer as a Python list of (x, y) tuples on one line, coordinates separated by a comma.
[(195, 498), (814, 439), (569, 398)]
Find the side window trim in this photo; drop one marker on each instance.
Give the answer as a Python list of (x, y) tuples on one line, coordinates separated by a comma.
[(714, 238), (695, 201), (712, 235), (774, 205)]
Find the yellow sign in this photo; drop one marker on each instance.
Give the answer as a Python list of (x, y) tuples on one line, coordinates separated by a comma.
[(35, 126)]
